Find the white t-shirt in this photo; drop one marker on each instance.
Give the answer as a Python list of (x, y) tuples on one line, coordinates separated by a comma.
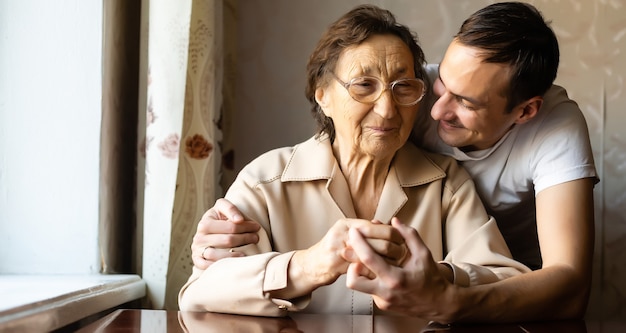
[(550, 149)]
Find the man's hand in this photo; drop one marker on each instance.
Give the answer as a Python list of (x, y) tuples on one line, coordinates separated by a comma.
[(221, 228), (419, 287)]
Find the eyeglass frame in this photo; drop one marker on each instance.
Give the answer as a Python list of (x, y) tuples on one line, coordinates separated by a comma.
[(388, 86)]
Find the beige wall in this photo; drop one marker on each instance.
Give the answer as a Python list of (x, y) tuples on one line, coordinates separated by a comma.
[(274, 39)]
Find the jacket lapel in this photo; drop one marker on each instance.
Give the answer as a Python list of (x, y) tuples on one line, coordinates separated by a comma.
[(314, 160), (410, 167)]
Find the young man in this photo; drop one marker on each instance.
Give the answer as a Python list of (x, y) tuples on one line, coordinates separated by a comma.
[(526, 145)]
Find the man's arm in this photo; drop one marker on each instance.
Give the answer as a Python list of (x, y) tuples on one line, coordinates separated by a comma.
[(565, 225), (560, 289)]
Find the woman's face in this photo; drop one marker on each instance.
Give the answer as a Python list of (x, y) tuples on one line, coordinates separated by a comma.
[(376, 129)]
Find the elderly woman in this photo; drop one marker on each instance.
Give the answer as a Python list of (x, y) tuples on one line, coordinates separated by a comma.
[(357, 177)]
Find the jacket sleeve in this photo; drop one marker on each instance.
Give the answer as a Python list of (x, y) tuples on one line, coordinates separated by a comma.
[(241, 285), (475, 248)]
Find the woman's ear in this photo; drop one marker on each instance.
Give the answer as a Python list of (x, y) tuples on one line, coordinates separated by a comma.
[(530, 108), (321, 97)]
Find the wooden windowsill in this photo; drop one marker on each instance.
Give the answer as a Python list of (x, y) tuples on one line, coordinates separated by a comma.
[(41, 303)]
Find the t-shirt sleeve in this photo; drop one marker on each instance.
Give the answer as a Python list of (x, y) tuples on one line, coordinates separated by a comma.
[(561, 145)]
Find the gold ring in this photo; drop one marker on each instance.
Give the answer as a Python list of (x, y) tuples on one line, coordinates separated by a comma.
[(202, 254)]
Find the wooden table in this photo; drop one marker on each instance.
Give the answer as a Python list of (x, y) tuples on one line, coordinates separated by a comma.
[(156, 321)]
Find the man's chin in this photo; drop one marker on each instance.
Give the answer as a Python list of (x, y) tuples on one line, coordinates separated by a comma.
[(450, 139)]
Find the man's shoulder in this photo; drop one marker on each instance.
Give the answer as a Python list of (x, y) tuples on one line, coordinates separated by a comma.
[(432, 70), (556, 101), (558, 115)]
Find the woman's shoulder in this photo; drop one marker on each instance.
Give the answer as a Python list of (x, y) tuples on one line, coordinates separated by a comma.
[(272, 164), (269, 165), (453, 174)]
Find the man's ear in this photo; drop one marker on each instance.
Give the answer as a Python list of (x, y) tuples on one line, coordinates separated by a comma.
[(529, 108), (322, 100)]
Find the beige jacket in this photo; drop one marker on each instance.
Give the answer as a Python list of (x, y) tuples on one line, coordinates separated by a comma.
[(298, 193)]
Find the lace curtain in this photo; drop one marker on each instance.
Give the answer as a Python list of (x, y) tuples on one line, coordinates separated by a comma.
[(180, 151), (173, 173)]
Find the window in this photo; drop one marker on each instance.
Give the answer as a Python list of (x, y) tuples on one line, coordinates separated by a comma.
[(50, 110)]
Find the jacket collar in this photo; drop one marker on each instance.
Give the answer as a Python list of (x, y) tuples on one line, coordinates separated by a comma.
[(314, 159)]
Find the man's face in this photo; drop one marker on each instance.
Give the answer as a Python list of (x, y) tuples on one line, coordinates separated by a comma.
[(471, 109)]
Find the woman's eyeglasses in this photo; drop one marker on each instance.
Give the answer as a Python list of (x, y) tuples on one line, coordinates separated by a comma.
[(368, 89)]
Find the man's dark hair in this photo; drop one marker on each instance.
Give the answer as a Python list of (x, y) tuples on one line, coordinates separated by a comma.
[(515, 34)]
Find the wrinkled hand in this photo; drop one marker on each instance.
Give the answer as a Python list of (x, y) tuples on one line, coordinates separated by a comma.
[(420, 287), (221, 228), (332, 254)]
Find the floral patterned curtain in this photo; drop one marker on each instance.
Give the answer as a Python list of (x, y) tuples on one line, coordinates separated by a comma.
[(180, 101)]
